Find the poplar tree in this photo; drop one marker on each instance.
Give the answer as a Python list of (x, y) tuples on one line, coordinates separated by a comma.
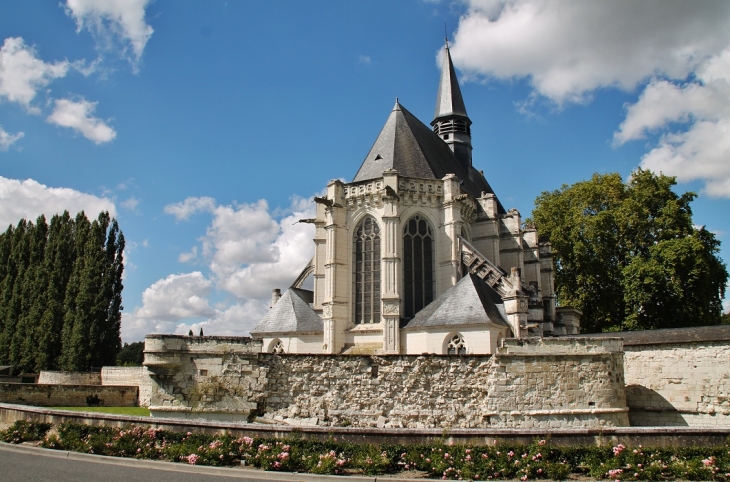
[(61, 293)]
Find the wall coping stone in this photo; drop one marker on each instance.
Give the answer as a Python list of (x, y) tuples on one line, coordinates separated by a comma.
[(666, 335)]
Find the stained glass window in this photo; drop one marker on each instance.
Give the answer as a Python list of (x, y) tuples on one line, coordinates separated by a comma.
[(418, 259), (366, 271)]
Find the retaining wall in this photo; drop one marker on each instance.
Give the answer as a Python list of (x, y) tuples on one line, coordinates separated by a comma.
[(69, 378), (528, 383), (67, 395), (602, 436), (130, 376), (677, 377)]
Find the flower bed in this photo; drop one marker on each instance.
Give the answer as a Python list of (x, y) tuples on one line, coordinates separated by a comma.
[(538, 460)]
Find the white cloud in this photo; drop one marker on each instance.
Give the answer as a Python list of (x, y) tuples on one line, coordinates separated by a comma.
[(29, 199), (78, 115), (364, 59), (697, 148), (115, 24), (22, 73), (131, 203), (249, 250), (272, 265), (189, 256), (183, 210), (676, 53), (177, 297), (570, 49), (7, 139)]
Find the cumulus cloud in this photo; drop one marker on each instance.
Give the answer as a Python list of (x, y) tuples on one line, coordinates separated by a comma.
[(29, 199), (7, 139), (115, 24), (675, 54), (22, 73), (192, 205), (699, 111), (249, 249), (570, 49), (79, 116), (272, 264), (177, 297)]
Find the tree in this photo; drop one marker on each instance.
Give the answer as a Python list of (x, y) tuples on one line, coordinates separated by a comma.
[(131, 354), (628, 255), (61, 293)]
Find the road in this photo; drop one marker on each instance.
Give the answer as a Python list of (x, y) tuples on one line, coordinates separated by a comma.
[(30, 464)]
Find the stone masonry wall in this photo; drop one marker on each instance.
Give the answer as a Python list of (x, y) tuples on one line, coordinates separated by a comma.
[(130, 376), (67, 395), (678, 384), (528, 383), (69, 378)]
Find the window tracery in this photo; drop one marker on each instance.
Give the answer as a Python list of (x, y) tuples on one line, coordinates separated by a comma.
[(278, 348), (366, 271), (457, 345), (418, 261)]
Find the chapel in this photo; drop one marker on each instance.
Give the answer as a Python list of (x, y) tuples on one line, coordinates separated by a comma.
[(417, 255)]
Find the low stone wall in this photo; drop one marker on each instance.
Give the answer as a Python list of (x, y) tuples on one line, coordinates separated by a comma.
[(678, 377), (600, 436), (67, 395), (528, 383), (130, 376), (69, 378)]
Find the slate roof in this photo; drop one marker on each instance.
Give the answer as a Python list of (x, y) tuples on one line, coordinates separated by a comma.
[(291, 314), (410, 147), (470, 301), (449, 101)]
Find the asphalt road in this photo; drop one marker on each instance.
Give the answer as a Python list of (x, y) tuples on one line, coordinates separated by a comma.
[(30, 464)]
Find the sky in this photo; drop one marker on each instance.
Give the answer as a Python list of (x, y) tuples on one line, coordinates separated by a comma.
[(205, 128)]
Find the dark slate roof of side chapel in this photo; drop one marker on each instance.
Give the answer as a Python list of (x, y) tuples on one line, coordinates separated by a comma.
[(291, 314), (470, 301), (410, 147)]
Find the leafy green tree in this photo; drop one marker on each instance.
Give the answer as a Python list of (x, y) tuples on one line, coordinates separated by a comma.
[(628, 255), (131, 354)]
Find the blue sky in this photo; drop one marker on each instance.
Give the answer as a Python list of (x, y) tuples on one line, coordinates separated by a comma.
[(206, 127)]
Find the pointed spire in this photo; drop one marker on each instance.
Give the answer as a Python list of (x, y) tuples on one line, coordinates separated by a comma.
[(449, 101)]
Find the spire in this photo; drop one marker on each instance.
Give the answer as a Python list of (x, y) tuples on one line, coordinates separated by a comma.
[(449, 101), (451, 123)]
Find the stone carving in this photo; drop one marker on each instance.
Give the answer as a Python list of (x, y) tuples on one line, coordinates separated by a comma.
[(391, 307)]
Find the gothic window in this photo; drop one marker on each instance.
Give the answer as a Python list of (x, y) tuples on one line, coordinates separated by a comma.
[(366, 271), (278, 348), (418, 263), (456, 346)]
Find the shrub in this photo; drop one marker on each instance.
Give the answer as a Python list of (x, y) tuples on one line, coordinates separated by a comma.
[(24, 431)]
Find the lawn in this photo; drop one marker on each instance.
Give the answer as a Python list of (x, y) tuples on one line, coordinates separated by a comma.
[(137, 411)]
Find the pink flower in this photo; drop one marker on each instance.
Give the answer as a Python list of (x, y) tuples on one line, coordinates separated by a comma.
[(192, 459), (542, 442), (509, 454)]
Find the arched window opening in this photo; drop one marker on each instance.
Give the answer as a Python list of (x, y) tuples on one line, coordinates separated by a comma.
[(366, 271), (277, 347), (418, 257), (456, 346)]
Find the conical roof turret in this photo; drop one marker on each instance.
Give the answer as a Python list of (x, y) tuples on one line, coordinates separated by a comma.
[(449, 101)]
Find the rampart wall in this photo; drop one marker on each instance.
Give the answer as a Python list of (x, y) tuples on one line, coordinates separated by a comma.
[(67, 395), (528, 383), (69, 378), (130, 376)]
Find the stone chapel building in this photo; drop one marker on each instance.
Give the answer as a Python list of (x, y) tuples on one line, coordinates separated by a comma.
[(417, 254)]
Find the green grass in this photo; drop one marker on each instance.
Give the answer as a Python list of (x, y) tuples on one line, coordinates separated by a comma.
[(137, 411)]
